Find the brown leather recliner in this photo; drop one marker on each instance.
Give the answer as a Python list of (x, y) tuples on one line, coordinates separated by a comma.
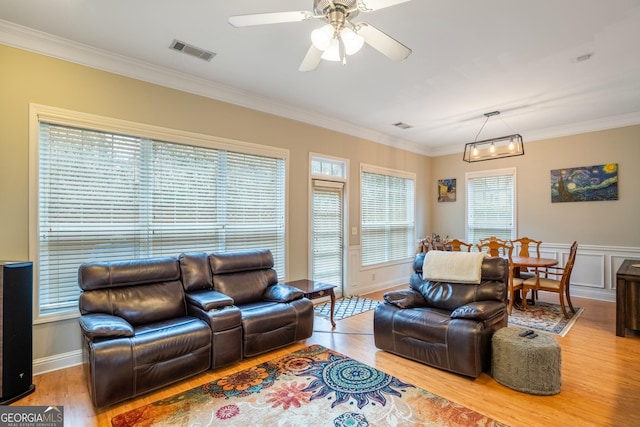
[(446, 325), (273, 314), (137, 333)]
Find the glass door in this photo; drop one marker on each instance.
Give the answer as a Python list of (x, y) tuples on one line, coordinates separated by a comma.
[(328, 233)]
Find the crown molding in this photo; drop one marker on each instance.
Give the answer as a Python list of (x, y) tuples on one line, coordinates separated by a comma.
[(49, 45)]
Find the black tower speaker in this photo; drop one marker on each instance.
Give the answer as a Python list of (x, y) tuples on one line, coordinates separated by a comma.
[(16, 345)]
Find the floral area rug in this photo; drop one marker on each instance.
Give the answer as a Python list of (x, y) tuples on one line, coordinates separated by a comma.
[(311, 387), (346, 307), (545, 317)]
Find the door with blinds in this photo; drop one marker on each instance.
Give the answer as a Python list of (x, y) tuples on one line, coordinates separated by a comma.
[(328, 233)]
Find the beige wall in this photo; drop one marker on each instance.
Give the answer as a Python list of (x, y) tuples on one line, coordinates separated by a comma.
[(605, 223), (30, 78)]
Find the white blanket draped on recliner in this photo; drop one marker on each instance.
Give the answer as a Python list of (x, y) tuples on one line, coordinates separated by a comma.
[(454, 267)]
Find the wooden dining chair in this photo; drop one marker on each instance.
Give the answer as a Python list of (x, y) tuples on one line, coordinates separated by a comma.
[(553, 279), (522, 247), (458, 245)]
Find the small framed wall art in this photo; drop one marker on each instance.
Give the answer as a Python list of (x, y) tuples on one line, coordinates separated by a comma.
[(584, 184), (447, 190)]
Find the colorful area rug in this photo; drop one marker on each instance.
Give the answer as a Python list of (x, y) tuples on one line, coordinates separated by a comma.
[(545, 317), (346, 307), (311, 387)]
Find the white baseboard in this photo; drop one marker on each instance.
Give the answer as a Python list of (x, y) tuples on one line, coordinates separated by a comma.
[(57, 361)]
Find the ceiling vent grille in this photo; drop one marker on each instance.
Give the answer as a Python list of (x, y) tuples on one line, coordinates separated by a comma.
[(192, 50), (402, 125)]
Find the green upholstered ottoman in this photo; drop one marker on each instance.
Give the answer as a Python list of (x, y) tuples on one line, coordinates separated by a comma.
[(527, 365)]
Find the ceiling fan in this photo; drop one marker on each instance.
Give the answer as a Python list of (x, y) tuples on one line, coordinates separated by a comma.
[(340, 36)]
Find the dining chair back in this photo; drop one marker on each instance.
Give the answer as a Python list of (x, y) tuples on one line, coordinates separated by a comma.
[(554, 279), (496, 247), (522, 246), (458, 246)]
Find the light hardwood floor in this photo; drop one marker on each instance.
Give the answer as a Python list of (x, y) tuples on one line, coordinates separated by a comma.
[(600, 376)]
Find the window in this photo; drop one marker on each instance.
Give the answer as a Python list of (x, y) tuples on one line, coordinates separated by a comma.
[(387, 215), (491, 204), (106, 196)]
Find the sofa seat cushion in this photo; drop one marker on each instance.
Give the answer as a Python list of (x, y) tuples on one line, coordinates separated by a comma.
[(424, 324), (170, 339), (269, 325)]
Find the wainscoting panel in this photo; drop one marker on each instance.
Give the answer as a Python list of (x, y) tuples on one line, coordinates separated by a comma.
[(594, 273)]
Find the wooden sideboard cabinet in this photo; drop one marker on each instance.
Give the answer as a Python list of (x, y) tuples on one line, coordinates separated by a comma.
[(628, 297)]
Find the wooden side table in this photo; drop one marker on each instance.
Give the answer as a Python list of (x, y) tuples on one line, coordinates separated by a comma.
[(313, 290), (627, 297)]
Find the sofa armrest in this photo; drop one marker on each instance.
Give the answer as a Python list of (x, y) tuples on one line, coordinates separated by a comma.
[(282, 293), (207, 299), (405, 298), (478, 310), (98, 326)]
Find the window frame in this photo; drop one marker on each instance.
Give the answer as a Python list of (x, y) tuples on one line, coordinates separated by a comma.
[(58, 116), (393, 173), (491, 173)]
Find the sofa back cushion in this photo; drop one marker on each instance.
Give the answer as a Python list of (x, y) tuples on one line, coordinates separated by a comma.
[(243, 275), (449, 296), (139, 291), (196, 271)]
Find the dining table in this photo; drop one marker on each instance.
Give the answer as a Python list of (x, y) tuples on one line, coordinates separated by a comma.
[(517, 262)]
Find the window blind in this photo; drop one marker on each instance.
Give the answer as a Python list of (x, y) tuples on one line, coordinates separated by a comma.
[(491, 205), (105, 197), (328, 232), (387, 216)]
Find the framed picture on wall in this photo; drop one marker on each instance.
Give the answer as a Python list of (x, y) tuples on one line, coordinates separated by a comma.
[(585, 183), (447, 190)]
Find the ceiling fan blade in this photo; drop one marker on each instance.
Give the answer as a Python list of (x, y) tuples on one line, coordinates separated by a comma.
[(269, 18), (383, 43), (371, 5), (312, 59)]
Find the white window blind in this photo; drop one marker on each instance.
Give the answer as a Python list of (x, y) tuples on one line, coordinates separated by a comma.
[(491, 205), (387, 215), (328, 232), (105, 196)]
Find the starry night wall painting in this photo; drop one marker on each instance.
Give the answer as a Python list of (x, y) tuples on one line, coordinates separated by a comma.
[(584, 184)]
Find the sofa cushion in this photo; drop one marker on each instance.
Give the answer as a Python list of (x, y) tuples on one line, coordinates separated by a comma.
[(245, 287), (196, 271), (138, 304), (102, 275)]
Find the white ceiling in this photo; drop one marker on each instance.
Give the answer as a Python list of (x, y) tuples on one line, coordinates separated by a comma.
[(469, 58)]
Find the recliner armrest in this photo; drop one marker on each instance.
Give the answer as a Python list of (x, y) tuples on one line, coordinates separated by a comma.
[(405, 298), (97, 326), (207, 299), (478, 310), (282, 293)]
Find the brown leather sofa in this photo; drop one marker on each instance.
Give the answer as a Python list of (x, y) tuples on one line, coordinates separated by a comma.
[(151, 322), (137, 333), (445, 325)]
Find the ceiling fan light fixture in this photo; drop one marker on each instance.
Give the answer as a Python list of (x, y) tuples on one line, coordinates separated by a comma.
[(321, 37), (332, 53), (352, 41)]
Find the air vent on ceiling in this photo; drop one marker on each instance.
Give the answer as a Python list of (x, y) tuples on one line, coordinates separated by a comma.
[(192, 50), (402, 125)]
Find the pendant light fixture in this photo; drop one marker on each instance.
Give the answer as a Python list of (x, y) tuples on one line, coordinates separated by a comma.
[(494, 148)]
